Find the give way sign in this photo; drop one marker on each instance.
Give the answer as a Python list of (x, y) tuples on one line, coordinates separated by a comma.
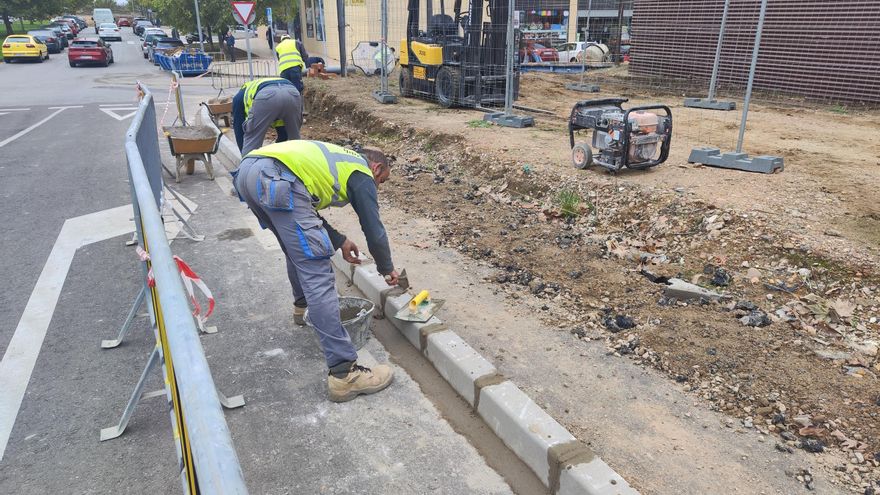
[(244, 12)]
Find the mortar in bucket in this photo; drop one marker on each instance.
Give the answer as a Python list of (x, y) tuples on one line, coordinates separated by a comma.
[(355, 315)]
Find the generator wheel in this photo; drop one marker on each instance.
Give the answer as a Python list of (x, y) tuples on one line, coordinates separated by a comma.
[(446, 87), (581, 156), (405, 82)]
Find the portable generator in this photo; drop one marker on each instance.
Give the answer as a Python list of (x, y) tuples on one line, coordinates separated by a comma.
[(637, 138)]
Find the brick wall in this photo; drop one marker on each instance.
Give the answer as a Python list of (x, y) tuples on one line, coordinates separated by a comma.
[(816, 49)]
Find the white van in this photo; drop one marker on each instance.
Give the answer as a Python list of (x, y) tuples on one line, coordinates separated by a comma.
[(101, 16)]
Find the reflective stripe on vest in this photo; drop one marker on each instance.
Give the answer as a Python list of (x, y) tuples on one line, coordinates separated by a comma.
[(288, 55), (250, 92), (324, 168)]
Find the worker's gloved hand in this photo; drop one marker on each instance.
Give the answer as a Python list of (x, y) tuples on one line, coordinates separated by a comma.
[(392, 278), (350, 252)]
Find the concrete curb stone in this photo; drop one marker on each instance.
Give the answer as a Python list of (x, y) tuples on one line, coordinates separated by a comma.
[(514, 417)]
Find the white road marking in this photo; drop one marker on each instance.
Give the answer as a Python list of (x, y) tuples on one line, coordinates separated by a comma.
[(29, 129), (24, 348), (3, 113), (21, 354), (116, 104), (130, 42), (63, 108), (14, 109), (112, 112)]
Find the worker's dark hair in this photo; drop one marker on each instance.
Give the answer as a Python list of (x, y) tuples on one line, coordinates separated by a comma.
[(373, 155)]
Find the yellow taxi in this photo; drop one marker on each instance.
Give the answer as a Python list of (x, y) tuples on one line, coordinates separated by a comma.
[(24, 46)]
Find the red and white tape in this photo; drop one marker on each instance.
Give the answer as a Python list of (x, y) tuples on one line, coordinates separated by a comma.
[(189, 278)]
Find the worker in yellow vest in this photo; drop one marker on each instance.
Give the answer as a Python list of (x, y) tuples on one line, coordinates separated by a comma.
[(263, 103), (291, 60), (284, 185)]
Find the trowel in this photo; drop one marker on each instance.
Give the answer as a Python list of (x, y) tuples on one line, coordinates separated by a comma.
[(421, 307)]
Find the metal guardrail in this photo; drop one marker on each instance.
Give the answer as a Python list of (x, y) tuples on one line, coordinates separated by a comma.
[(208, 461), (229, 75)]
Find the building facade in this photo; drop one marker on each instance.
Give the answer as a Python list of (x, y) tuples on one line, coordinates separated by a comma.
[(553, 22)]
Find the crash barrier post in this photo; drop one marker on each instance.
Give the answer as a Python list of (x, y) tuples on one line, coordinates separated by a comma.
[(207, 458), (231, 75)]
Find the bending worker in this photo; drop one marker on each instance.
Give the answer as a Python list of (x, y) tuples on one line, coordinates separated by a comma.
[(261, 103), (290, 56), (284, 185)]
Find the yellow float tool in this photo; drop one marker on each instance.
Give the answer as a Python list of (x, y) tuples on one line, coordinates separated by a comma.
[(420, 308)]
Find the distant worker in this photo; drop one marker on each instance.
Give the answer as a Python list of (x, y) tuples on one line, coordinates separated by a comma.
[(291, 55), (304, 177), (263, 103), (230, 45)]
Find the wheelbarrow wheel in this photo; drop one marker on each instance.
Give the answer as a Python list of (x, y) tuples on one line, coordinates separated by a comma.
[(581, 156)]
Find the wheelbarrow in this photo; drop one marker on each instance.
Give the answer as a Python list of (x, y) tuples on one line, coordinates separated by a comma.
[(191, 143), (220, 108)]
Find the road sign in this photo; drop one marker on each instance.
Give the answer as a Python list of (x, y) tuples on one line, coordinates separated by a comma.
[(244, 12)]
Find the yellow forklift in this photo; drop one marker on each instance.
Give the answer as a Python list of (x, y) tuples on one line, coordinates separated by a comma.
[(458, 58)]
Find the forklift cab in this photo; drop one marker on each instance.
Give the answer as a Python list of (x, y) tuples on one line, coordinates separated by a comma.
[(457, 56)]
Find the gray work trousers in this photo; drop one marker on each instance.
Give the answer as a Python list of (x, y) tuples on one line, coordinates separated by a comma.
[(272, 102), (282, 204)]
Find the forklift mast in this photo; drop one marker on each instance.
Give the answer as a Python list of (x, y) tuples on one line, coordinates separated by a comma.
[(473, 36)]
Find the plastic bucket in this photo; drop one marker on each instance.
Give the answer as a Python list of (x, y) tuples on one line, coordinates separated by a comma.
[(355, 315)]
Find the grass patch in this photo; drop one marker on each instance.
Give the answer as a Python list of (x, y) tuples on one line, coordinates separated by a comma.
[(839, 109), (571, 204), (476, 123)]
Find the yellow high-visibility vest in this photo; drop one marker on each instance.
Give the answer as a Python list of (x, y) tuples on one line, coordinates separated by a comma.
[(324, 168), (288, 55)]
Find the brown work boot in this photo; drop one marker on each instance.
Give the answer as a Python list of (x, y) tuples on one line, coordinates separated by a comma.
[(299, 315), (360, 380)]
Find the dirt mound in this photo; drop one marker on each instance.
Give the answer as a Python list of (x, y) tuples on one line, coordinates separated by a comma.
[(791, 349)]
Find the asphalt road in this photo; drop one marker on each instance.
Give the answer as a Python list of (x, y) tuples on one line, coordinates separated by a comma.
[(68, 284)]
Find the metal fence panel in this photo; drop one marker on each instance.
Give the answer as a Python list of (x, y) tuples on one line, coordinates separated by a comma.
[(208, 458)]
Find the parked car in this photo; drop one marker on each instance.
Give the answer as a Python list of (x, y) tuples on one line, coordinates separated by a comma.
[(80, 23), (123, 22), (574, 52), (77, 19), (24, 46), (89, 51), (141, 25), (571, 52), (109, 31), (59, 33), (240, 32), (536, 52), (49, 38), (68, 32), (74, 27), (194, 37), (148, 40), (162, 45)]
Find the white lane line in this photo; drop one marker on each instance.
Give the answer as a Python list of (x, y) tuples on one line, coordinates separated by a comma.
[(112, 112), (14, 109), (24, 348), (117, 104), (4, 113), (63, 108), (29, 129), (21, 354)]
